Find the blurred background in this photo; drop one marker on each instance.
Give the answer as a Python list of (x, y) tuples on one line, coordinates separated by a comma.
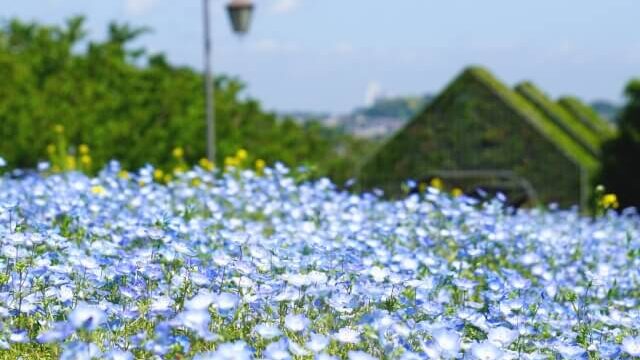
[(329, 85)]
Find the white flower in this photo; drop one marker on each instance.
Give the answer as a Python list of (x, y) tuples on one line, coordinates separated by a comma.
[(378, 274), (631, 345), (3, 163), (348, 335)]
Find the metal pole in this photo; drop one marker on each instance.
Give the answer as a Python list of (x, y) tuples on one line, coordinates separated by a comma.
[(209, 88)]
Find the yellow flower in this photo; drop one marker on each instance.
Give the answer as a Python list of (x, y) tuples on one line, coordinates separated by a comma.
[(58, 129), (436, 183), (196, 182), (158, 174), (178, 153), (71, 162), (242, 154), (85, 160), (456, 192), (230, 161), (51, 149), (83, 149), (123, 174), (178, 169), (167, 178), (610, 201), (98, 190), (260, 165), (206, 164)]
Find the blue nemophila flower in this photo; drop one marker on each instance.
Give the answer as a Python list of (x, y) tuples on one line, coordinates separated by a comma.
[(267, 331), (631, 345), (448, 342), (232, 351), (226, 301), (296, 322), (81, 351), (19, 336), (568, 351), (348, 335), (502, 336), (360, 355), (58, 332), (212, 255), (486, 351), (118, 355), (201, 301), (278, 350), (3, 163), (87, 317), (317, 342)]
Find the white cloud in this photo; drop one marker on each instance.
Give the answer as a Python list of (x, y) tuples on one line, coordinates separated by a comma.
[(285, 6), (138, 7), (274, 46)]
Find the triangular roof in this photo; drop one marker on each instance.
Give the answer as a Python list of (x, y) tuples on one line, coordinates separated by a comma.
[(575, 128), (562, 140), (589, 117)]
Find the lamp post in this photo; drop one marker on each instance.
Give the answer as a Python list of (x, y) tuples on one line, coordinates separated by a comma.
[(240, 13)]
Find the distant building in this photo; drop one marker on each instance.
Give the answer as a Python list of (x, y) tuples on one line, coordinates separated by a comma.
[(479, 133)]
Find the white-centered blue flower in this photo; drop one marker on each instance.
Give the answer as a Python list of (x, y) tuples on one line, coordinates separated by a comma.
[(486, 351), (348, 335), (631, 345), (502, 336), (267, 331), (87, 317), (296, 322), (447, 341)]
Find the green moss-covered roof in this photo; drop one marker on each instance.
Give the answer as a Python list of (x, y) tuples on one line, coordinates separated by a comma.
[(558, 135), (574, 127), (588, 116)]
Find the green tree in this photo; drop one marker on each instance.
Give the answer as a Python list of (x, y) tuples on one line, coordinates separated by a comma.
[(620, 171), (135, 107)]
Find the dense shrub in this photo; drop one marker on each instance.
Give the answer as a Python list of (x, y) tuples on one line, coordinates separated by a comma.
[(620, 170)]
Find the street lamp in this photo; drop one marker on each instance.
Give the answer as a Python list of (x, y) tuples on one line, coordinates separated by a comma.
[(240, 13)]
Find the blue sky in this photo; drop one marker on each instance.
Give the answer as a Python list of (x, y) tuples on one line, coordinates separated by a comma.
[(329, 55)]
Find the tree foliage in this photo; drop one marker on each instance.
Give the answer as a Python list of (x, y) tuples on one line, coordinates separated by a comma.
[(620, 171), (136, 107)]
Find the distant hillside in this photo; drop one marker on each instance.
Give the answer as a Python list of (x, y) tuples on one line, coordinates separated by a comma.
[(395, 107), (606, 109)]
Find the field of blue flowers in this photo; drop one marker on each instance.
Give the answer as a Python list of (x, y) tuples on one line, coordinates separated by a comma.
[(256, 265)]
